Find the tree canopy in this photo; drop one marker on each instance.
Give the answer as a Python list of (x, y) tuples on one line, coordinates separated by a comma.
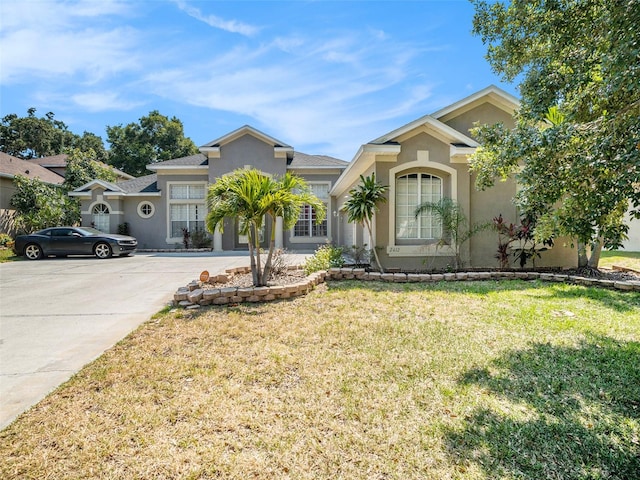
[(252, 197), (576, 146), (35, 137), (155, 138)]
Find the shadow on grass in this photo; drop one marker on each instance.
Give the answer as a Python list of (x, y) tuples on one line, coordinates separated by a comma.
[(618, 301), (555, 412)]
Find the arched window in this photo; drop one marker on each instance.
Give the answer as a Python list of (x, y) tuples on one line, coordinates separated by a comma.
[(412, 190), (100, 214)]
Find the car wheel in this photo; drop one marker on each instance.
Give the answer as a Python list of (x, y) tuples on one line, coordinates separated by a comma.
[(102, 250), (33, 251)]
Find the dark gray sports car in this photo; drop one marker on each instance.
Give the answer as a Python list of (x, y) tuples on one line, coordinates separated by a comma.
[(62, 241)]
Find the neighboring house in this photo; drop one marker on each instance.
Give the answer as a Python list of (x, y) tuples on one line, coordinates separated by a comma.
[(159, 206), (10, 167), (425, 160), (58, 164)]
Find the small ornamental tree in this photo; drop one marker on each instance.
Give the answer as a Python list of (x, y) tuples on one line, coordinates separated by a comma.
[(455, 225), (363, 204), (251, 197)]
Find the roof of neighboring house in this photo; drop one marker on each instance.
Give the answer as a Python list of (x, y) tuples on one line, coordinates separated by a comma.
[(60, 161), (146, 184), (304, 160), (11, 166)]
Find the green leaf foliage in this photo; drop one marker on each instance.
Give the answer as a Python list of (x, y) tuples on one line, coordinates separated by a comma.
[(155, 138), (250, 196), (575, 149), (35, 137), (40, 205)]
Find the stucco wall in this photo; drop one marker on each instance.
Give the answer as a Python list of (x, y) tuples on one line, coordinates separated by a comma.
[(486, 113)]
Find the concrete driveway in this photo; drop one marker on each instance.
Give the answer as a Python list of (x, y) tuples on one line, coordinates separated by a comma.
[(58, 314)]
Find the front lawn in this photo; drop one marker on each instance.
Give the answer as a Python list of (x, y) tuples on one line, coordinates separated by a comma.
[(621, 259), (477, 380)]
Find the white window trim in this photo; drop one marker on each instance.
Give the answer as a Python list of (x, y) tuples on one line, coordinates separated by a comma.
[(422, 161), (328, 203), (202, 202), (140, 212)]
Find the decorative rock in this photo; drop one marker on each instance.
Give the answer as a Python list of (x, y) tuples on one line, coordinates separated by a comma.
[(547, 277), (193, 285), (484, 275), (245, 292), (195, 295), (277, 290), (269, 298), (221, 300), (437, 277), (236, 299), (204, 302), (413, 277), (374, 276), (449, 277), (211, 294), (400, 277), (461, 276), (193, 307), (185, 303), (359, 272), (261, 291), (425, 277), (559, 278), (623, 286), (228, 291), (386, 277), (522, 275)]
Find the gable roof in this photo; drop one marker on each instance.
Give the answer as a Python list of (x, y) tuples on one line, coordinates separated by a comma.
[(11, 166), (492, 94), (141, 186), (453, 135), (303, 160), (244, 130)]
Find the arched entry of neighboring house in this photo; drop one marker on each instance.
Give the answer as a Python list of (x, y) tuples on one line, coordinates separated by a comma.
[(100, 217)]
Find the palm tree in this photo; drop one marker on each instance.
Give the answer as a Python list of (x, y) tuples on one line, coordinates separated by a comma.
[(363, 203), (251, 196), (455, 228)]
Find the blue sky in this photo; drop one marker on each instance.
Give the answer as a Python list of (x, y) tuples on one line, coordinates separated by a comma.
[(322, 76)]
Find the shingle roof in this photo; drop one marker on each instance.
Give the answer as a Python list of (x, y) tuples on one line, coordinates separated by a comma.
[(305, 160), (191, 161), (60, 161), (146, 184), (12, 166)]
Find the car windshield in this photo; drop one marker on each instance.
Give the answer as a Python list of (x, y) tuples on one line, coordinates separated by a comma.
[(88, 231)]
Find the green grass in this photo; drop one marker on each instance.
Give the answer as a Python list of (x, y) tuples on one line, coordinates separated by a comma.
[(620, 258), (7, 255), (469, 380)]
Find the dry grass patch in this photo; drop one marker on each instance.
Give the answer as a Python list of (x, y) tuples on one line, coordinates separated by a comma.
[(356, 380)]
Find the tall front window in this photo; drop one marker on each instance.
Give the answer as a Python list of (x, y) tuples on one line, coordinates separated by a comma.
[(187, 208), (100, 217), (412, 190), (306, 225)]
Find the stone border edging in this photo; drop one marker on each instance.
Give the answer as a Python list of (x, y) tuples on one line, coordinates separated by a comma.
[(194, 296)]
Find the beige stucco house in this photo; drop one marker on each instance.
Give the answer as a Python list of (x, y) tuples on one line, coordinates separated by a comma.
[(424, 160)]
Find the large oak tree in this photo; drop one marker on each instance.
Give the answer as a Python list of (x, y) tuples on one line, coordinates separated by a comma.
[(155, 138), (576, 145)]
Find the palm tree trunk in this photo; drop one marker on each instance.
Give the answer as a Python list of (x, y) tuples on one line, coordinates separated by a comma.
[(254, 270), (272, 246), (373, 246), (256, 239)]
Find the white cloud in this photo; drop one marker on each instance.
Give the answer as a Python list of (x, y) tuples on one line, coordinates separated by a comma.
[(104, 101), (294, 87), (47, 39), (233, 26)]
